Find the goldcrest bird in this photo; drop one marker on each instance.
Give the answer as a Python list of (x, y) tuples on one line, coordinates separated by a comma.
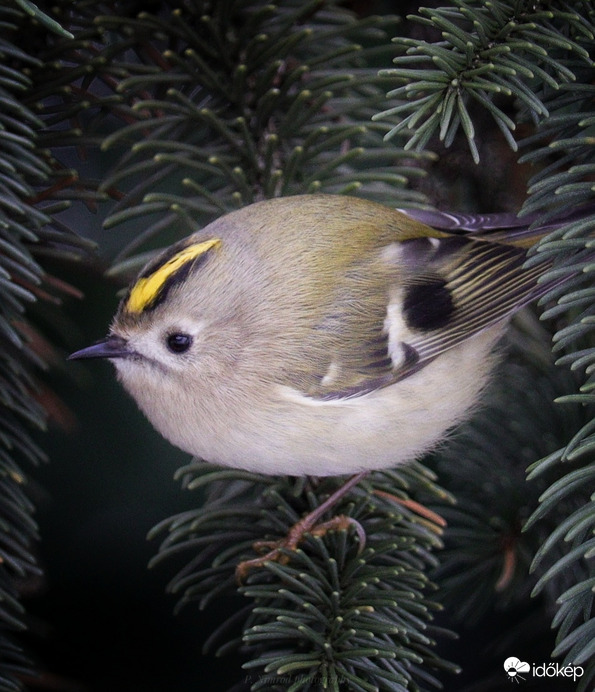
[(318, 334)]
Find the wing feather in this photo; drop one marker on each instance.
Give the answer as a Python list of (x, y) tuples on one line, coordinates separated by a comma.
[(485, 283)]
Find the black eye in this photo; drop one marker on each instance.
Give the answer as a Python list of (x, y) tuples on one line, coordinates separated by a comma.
[(179, 342)]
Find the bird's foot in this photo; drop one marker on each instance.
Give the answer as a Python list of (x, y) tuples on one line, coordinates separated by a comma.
[(276, 551)]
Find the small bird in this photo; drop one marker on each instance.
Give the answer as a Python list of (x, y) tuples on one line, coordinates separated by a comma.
[(320, 334)]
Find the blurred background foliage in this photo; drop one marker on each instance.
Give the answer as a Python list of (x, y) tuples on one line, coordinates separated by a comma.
[(126, 125)]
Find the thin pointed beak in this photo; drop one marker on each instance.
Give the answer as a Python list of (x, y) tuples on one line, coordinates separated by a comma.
[(110, 347)]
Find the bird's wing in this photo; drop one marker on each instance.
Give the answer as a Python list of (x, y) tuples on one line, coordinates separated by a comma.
[(486, 282), (440, 292)]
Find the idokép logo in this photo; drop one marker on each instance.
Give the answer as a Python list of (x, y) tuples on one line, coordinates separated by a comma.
[(514, 668), (518, 670)]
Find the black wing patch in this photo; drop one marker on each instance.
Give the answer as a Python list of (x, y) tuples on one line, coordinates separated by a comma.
[(428, 305), (451, 289), (487, 282)]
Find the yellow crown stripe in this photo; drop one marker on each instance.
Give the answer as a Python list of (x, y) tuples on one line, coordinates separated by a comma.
[(146, 289)]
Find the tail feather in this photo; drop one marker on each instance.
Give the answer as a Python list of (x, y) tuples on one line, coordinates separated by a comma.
[(499, 227)]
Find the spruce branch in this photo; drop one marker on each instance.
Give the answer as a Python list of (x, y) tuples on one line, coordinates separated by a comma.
[(208, 106), (285, 108), (45, 20), (564, 145), (20, 274), (487, 538), (542, 57), (332, 614), (490, 53), (29, 196), (498, 562), (570, 549), (205, 106)]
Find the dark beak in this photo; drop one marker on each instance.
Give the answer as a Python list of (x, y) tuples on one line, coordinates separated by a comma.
[(110, 347)]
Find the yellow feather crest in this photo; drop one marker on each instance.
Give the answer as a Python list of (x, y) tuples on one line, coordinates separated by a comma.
[(147, 288)]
